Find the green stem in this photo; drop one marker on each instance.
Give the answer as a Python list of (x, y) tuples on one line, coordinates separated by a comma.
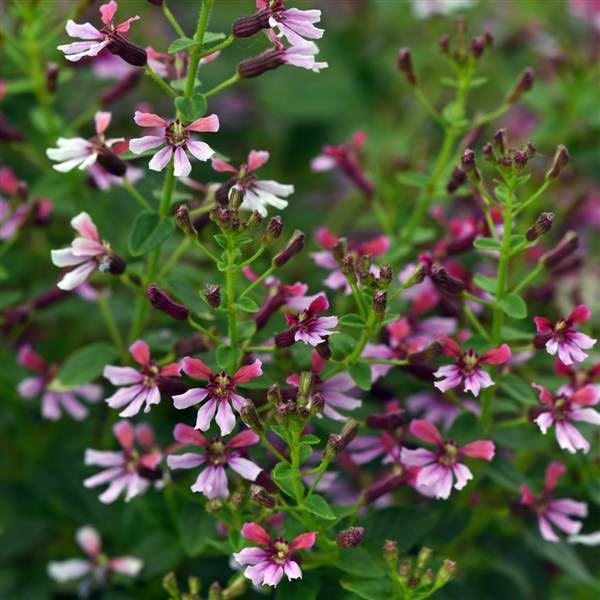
[(230, 282), (195, 54), (181, 249), (135, 194), (362, 342), (205, 251), (267, 444), (320, 472), (161, 84), (528, 278), (171, 18), (165, 202), (257, 281), (474, 320), (295, 456), (533, 198), (385, 361), (498, 315), (226, 42), (205, 331), (223, 85), (111, 325)]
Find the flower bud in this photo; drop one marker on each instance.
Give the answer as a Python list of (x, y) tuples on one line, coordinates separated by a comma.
[(350, 538), (348, 266), (156, 2), (524, 84), (214, 505), (274, 395), (385, 276), (488, 152), (423, 558), (8, 133), (171, 586), (317, 403), (444, 281), (416, 277), (52, 71), (184, 221), (488, 38), (446, 572), (304, 388), (561, 158), (444, 44), (457, 178), (520, 158), (567, 245), (389, 421), (171, 386), (254, 67), (338, 441), (542, 226), (477, 46), (272, 231), (248, 26), (250, 416), (111, 162), (364, 264), (406, 67), (260, 496), (293, 247), (499, 141), (379, 303), (428, 354), (212, 293), (160, 300), (112, 264), (469, 165), (254, 219), (324, 350), (22, 190), (264, 480), (285, 339), (235, 197), (127, 50), (531, 150), (340, 249), (390, 553), (381, 487), (215, 591)]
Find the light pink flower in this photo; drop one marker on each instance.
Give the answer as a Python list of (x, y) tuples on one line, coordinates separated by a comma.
[(441, 466), (306, 326), (589, 10), (130, 470), (82, 153), (333, 391), (302, 57), (468, 367), (54, 402), (561, 336), (292, 23), (97, 566), (95, 40), (274, 558), (212, 480), (257, 193), (553, 512), (218, 396), (565, 407), (143, 386), (175, 139)]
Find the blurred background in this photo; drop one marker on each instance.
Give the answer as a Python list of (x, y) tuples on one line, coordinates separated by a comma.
[(291, 113)]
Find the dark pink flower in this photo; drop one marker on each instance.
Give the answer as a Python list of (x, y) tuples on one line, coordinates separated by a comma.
[(54, 400), (274, 558), (220, 393), (550, 511), (143, 386), (306, 326), (95, 40), (468, 367), (175, 139), (97, 566), (578, 377), (130, 470), (441, 466), (565, 407), (212, 480), (561, 336), (257, 193), (327, 240)]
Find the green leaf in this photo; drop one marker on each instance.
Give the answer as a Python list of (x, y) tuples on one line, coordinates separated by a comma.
[(191, 108), (309, 438), (317, 505), (341, 345), (361, 374), (210, 37), (514, 306), (487, 244), (283, 476), (149, 231), (180, 44), (246, 304), (370, 589), (305, 452), (489, 284), (86, 364), (413, 179), (477, 82), (517, 389), (194, 525), (246, 329), (308, 589), (228, 357), (449, 82), (359, 563), (352, 320), (511, 334)]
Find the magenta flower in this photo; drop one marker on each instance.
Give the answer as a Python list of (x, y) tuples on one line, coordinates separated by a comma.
[(561, 337), (274, 558), (440, 467), (257, 193), (327, 240), (306, 326), (95, 40), (220, 393), (130, 470), (212, 480), (176, 139), (468, 367), (333, 391), (97, 566), (550, 511), (54, 402), (565, 407), (143, 386), (87, 253), (292, 23)]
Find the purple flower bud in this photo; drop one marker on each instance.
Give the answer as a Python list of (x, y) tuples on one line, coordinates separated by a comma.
[(390, 552), (488, 152), (524, 84), (264, 480), (285, 339), (469, 165), (416, 277), (236, 197), (385, 276), (446, 573), (381, 487), (542, 226), (444, 281), (260, 496), (531, 150), (184, 221), (340, 249), (348, 266), (274, 395), (293, 247), (350, 538), (561, 158), (379, 303), (477, 46), (323, 350), (499, 141), (52, 71), (520, 158), (160, 300), (488, 38), (250, 416), (212, 293), (254, 67), (170, 386), (406, 67), (428, 354), (248, 26), (338, 441), (127, 50), (389, 421), (111, 162), (457, 178), (113, 264), (273, 230), (444, 44)]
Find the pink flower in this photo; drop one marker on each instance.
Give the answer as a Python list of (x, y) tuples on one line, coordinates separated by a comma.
[(82, 153), (274, 558), (173, 66), (439, 468), (97, 566), (565, 407), (332, 390), (435, 407), (306, 326), (143, 386), (53, 401), (96, 40), (589, 10), (327, 240), (427, 8), (346, 158), (212, 480), (468, 367), (220, 393), (257, 193), (561, 337), (550, 511), (302, 57), (129, 470), (176, 139), (87, 253), (292, 23)]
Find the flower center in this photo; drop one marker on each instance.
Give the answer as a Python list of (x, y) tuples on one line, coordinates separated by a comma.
[(281, 551), (176, 134), (448, 454), (216, 452), (221, 386), (470, 361)]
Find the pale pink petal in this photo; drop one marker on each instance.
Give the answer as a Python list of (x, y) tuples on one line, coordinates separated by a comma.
[(84, 31), (126, 565), (161, 159), (462, 474), (272, 574), (147, 142), (102, 458), (257, 158), (416, 458), (124, 396), (89, 540), (204, 124), (189, 460), (246, 468), (69, 570), (107, 12), (206, 414), (225, 418), (66, 258), (102, 120), (200, 150), (189, 398), (292, 570), (250, 556), (546, 529), (181, 164), (149, 120), (114, 490), (122, 375), (136, 405)]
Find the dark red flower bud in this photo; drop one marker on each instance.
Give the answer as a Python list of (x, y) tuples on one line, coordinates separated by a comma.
[(385, 276), (348, 266), (381, 487), (542, 226), (285, 339), (389, 421), (350, 538), (379, 303), (339, 441), (250, 416), (170, 386), (457, 178), (499, 141), (264, 480), (248, 26), (520, 158), (477, 46), (444, 281), (111, 162), (469, 165), (127, 50), (260, 496), (340, 249), (160, 300), (488, 152), (112, 264), (184, 221), (293, 247), (212, 293), (444, 44), (531, 150), (524, 84), (323, 350), (273, 230), (488, 38), (561, 158), (52, 71), (267, 61), (428, 354), (406, 67)]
